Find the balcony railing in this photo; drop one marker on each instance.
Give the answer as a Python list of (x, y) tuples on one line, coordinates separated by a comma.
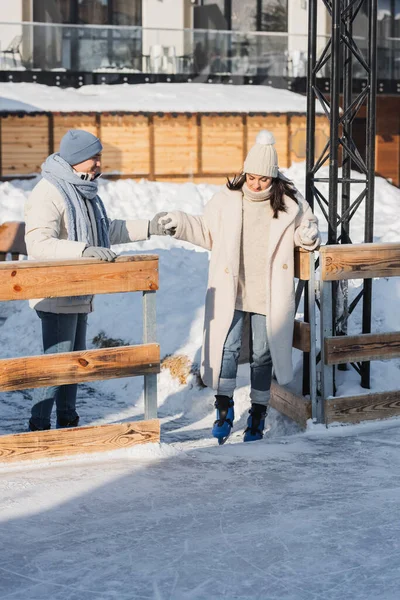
[(91, 48), (192, 52)]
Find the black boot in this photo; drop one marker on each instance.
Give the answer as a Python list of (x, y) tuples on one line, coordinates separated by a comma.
[(63, 423), (255, 423), (225, 415)]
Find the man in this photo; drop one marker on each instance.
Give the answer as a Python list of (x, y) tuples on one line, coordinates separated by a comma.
[(66, 219)]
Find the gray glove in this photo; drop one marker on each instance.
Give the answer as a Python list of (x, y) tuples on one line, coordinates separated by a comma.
[(156, 228), (100, 253)]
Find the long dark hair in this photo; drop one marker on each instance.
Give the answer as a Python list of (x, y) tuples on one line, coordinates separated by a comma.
[(279, 188)]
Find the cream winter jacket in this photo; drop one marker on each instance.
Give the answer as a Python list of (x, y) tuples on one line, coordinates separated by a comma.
[(46, 237), (219, 230)]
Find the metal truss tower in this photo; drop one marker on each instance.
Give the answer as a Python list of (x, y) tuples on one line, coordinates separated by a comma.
[(339, 57)]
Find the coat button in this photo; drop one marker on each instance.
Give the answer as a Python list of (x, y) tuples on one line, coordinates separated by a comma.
[(227, 270), (285, 266)]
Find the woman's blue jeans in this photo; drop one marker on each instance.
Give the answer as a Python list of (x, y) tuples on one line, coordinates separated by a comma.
[(260, 358), (61, 333)]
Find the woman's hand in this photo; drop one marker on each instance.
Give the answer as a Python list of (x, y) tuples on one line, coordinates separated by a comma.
[(169, 223), (308, 234)]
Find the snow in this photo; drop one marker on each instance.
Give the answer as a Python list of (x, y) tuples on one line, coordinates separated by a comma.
[(297, 516), (151, 97)]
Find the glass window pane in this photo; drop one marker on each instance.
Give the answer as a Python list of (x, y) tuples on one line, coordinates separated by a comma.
[(52, 11), (127, 12), (274, 15), (94, 12), (244, 15), (210, 15)]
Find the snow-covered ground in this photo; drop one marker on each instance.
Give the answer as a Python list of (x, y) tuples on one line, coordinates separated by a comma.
[(297, 516), (151, 97)]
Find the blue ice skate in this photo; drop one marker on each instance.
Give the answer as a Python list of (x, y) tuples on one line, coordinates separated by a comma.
[(255, 423), (225, 416)]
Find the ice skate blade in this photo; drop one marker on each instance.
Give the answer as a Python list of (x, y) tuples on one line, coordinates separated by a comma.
[(221, 441)]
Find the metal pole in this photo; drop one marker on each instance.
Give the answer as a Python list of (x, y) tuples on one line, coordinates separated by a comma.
[(313, 335), (369, 200), (310, 160), (342, 303), (327, 373), (334, 123), (150, 336)]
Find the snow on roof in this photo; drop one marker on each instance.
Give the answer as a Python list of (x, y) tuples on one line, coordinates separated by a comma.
[(151, 97)]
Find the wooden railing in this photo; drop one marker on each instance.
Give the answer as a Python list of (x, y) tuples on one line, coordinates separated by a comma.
[(357, 261), (21, 280)]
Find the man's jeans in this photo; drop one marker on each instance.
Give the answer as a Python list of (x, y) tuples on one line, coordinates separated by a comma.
[(260, 358), (61, 333)]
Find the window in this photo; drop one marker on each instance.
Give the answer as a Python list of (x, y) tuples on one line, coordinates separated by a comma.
[(127, 12), (212, 14), (88, 12), (52, 11), (273, 15), (244, 15), (93, 12)]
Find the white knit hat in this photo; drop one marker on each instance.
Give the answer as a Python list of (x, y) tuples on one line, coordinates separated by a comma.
[(262, 158)]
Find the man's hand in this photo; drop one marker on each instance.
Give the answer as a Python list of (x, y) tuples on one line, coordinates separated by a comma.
[(100, 253), (155, 226)]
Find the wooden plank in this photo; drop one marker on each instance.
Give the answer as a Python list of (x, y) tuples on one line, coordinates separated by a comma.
[(24, 144), (368, 346), (288, 403), (23, 280), (224, 132), (359, 261), (125, 140), (388, 138), (302, 264), (12, 235), (172, 133), (302, 336), (76, 367), (59, 443), (65, 121), (297, 138), (367, 407)]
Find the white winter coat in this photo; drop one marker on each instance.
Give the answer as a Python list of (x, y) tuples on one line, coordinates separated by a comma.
[(46, 237), (219, 230)]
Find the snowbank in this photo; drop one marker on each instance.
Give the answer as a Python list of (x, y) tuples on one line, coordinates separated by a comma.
[(156, 97), (187, 411)]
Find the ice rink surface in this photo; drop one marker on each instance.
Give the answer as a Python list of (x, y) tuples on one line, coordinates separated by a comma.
[(309, 516)]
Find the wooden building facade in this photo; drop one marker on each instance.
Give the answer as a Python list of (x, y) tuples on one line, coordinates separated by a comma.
[(200, 147)]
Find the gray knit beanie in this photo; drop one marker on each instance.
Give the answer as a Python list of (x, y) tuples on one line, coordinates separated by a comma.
[(78, 145), (262, 158)]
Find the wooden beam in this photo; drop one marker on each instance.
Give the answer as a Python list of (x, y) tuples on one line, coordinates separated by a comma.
[(288, 403), (75, 367), (359, 261), (23, 280), (302, 264), (353, 409), (80, 440), (302, 336), (368, 346)]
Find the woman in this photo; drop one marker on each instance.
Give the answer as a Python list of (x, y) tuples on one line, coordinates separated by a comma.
[(251, 228)]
